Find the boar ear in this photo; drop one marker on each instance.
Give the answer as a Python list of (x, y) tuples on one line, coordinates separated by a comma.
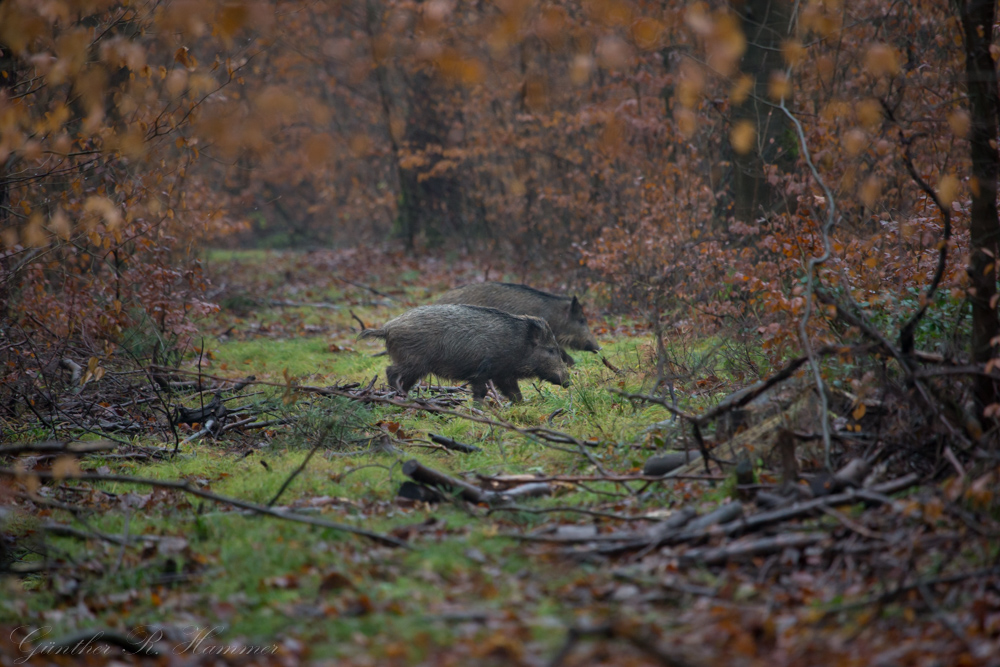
[(536, 331), (575, 308)]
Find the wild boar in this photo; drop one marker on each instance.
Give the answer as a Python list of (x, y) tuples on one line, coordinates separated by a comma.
[(470, 344), (564, 314)]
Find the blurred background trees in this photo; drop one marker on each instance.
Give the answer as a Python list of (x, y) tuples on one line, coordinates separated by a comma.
[(636, 147)]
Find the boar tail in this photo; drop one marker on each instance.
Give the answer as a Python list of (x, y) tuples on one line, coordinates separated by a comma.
[(372, 333)]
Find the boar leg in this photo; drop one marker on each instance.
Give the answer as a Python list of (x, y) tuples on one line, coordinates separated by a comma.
[(568, 360), (508, 387), (478, 391), (392, 377), (401, 380)]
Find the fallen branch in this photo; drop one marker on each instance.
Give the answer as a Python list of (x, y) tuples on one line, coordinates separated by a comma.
[(63, 530), (574, 510), (187, 487), (577, 479), (453, 445), (675, 521), (749, 549), (420, 473), (718, 523), (300, 304), (59, 447)]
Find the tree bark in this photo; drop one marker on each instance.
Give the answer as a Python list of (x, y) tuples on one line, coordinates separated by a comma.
[(766, 26), (977, 18), (8, 79)]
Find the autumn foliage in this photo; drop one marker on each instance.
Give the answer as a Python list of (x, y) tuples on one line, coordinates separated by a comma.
[(643, 149)]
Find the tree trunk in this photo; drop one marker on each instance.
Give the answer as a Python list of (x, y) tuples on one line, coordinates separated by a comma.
[(977, 17), (766, 26), (8, 79)]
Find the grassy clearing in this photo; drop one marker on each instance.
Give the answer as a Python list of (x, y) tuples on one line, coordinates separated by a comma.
[(264, 578)]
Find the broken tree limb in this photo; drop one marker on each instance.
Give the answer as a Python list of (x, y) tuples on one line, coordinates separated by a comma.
[(749, 548), (663, 463), (453, 445), (451, 485), (533, 490), (217, 408), (726, 513), (709, 525), (418, 472), (757, 521), (673, 522)]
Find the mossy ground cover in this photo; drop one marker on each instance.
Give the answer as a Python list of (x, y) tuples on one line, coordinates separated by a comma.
[(263, 579)]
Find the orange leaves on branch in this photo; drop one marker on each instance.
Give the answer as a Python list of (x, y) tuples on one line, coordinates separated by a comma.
[(102, 208), (947, 190), (870, 191), (552, 26), (459, 68), (687, 122), (648, 33), (793, 52), (741, 89), (869, 113), (742, 136), (725, 42), (613, 53), (184, 57), (882, 60), (690, 86), (59, 224), (33, 236), (823, 17), (580, 69), (778, 86), (855, 141), (94, 371), (176, 81), (609, 12), (960, 122), (232, 17)]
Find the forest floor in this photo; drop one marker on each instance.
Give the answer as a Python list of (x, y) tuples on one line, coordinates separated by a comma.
[(594, 573)]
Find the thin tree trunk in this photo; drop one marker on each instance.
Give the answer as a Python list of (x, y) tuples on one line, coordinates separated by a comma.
[(766, 26), (8, 79), (977, 17)]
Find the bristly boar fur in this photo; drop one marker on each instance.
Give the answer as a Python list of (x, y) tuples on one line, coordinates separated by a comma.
[(470, 344), (563, 313)]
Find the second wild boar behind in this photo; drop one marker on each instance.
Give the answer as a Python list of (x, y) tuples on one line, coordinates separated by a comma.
[(564, 314)]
